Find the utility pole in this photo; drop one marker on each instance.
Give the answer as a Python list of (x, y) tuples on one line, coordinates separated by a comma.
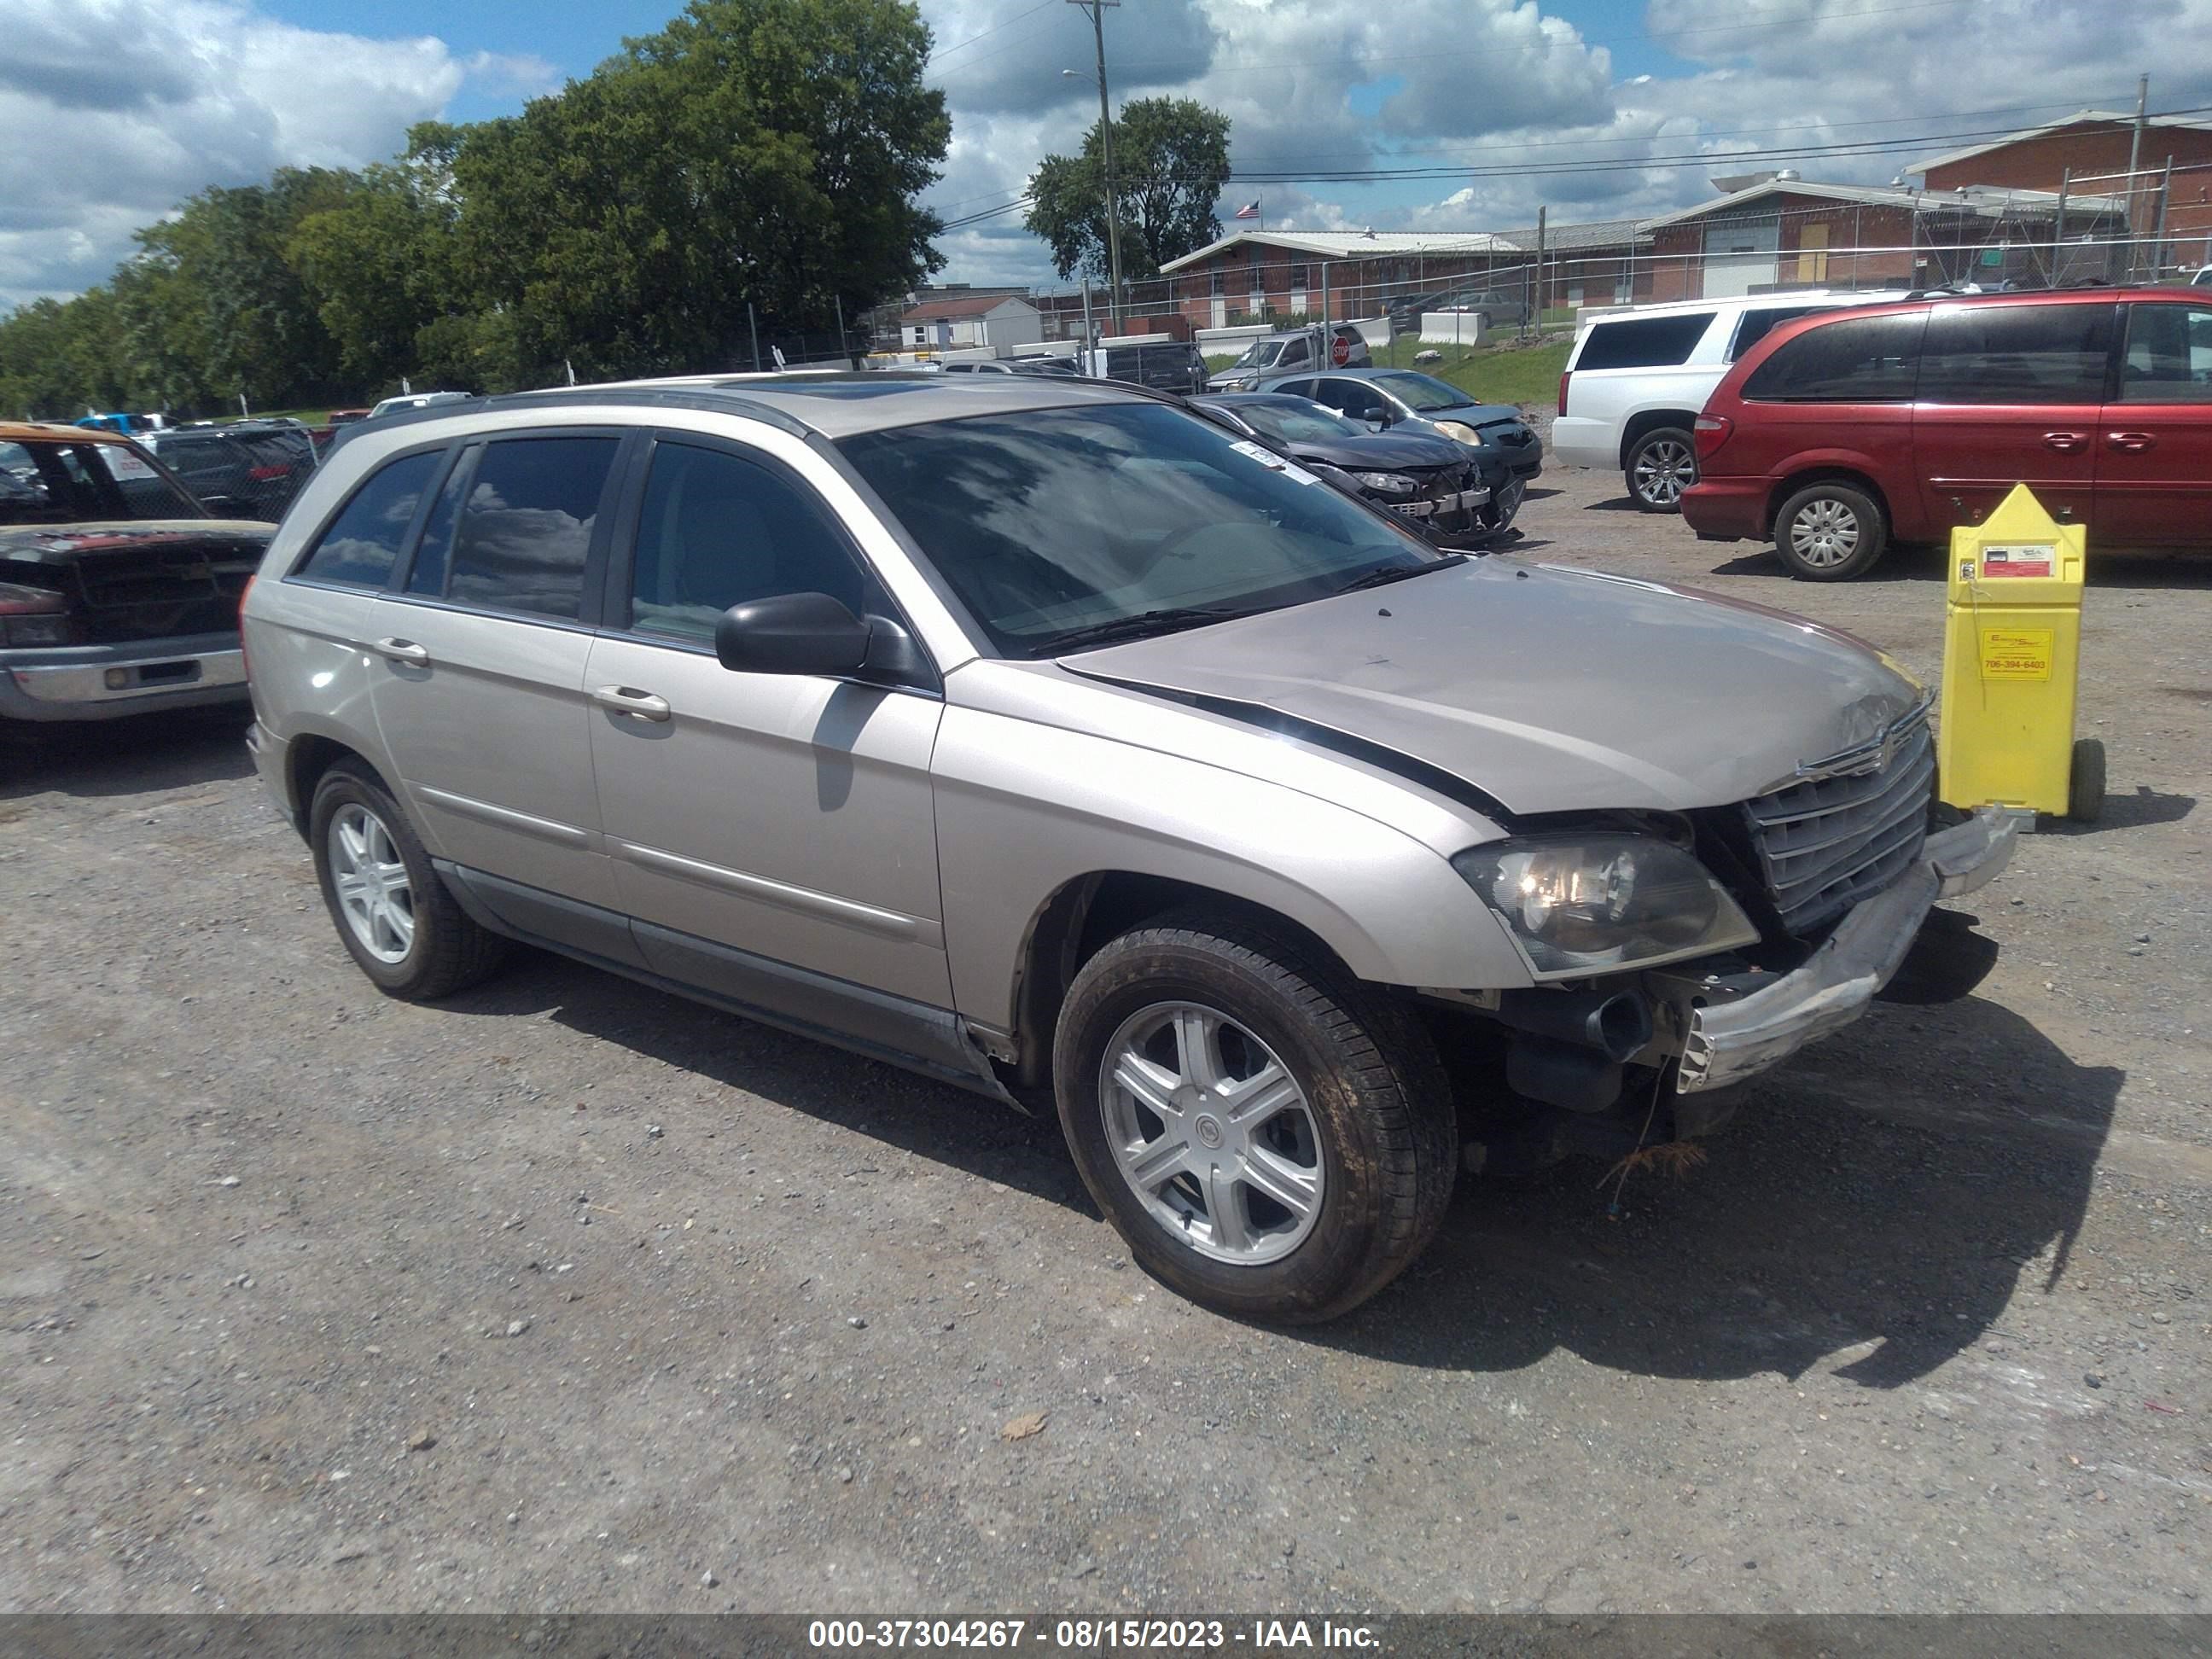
[(2134, 153), (1098, 9), (752, 326), (1534, 324)]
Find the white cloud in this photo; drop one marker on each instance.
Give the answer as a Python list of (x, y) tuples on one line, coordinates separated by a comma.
[(1503, 88), (117, 109)]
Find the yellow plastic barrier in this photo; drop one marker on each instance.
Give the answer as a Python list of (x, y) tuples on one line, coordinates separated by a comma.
[(2012, 642)]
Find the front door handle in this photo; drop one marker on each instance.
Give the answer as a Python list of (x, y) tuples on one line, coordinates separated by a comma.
[(405, 651), (628, 700), (2064, 439), (2131, 441)]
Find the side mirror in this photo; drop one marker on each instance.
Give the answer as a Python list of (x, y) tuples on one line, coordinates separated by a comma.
[(791, 633), (1377, 422)]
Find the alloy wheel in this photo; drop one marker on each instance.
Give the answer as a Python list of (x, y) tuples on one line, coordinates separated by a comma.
[(1213, 1133), (1663, 470), (1824, 534), (375, 894)]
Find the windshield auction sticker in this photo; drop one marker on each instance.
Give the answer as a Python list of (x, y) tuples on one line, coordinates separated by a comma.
[(2025, 560), (2016, 654), (1267, 458)]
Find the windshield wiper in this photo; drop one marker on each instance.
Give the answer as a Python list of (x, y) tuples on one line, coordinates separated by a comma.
[(1383, 574), (1163, 621)]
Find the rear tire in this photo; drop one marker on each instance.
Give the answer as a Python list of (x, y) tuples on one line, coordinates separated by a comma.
[(1660, 465), (2085, 783), (393, 913), (1830, 531), (1208, 1063)]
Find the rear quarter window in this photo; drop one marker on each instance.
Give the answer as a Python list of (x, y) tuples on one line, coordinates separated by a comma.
[(1643, 341), (1756, 324), (1859, 360), (360, 546)]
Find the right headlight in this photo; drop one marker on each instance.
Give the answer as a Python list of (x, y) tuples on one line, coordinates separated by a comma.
[(1602, 903), (1388, 483)]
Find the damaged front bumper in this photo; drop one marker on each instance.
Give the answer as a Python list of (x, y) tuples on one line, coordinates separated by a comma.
[(1725, 1041)]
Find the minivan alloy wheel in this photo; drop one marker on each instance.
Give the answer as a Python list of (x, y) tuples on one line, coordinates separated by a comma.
[(1824, 534), (1212, 1133), (373, 891)]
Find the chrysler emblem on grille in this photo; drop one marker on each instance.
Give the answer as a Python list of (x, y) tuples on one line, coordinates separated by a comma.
[(1873, 756)]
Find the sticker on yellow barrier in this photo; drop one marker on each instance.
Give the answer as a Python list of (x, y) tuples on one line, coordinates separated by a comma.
[(2028, 561), (2016, 654)]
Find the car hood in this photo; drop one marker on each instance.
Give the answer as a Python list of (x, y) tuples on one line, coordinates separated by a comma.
[(1547, 689), (1476, 414), (62, 544), (1383, 450)]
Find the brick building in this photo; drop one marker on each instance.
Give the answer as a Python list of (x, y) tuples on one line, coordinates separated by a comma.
[(1777, 231), (1279, 274), (2088, 152)]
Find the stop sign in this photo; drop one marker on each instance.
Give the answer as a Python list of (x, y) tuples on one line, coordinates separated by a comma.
[(1339, 350)]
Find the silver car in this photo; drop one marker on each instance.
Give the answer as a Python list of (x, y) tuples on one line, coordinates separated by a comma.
[(1045, 738)]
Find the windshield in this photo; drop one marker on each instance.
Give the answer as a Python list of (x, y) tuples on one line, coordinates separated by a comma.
[(1259, 354), (1421, 393), (1295, 420), (1050, 523), (86, 484)]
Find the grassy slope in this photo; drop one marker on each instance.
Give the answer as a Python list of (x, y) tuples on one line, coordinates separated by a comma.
[(1498, 374)]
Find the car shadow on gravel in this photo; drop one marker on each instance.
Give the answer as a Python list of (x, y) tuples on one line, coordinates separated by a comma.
[(142, 755), (1881, 1200), (902, 1110)]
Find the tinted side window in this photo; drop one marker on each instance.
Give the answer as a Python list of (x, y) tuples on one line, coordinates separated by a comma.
[(2035, 354), (1294, 355), (2169, 358), (717, 531), (525, 529), (1754, 326), (1862, 360), (1643, 341), (1295, 388), (362, 543)]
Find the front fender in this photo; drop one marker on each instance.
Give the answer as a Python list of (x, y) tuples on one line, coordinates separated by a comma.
[(1024, 809)]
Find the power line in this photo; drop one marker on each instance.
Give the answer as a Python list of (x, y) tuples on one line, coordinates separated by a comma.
[(948, 51)]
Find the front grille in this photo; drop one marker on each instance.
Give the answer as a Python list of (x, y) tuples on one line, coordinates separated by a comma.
[(1827, 843), (153, 594)]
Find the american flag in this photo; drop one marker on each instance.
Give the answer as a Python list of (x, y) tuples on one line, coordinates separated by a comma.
[(1250, 210)]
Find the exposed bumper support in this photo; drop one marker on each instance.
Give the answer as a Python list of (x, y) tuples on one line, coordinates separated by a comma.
[(1728, 1042)]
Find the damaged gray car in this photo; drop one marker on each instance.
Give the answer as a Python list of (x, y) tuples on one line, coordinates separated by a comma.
[(1046, 739)]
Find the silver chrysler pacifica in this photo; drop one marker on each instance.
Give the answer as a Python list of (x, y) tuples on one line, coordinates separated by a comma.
[(1044, 738)]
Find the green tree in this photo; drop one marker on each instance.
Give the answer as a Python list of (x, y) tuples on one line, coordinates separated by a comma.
[(1170, 165), (762, 150)]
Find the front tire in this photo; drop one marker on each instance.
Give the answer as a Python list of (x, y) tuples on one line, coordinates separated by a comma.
[(392, 912), (1830, 531), (1660, 465), (1272, 1138)]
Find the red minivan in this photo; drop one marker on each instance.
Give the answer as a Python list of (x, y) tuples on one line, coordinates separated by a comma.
[(1846, 430)]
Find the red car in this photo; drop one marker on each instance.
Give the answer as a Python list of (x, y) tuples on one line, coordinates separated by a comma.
[(1845, 431)]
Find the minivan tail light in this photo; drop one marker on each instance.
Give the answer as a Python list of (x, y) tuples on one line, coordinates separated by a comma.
[(1712, 431), (1563, 391)]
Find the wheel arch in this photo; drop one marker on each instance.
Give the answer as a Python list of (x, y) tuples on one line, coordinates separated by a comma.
[(1839, 472), (307, 757), (1087, 912), (1650, 419)]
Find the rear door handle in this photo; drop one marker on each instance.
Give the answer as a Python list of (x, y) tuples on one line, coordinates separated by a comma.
[(628, 700), (2130, 440), (405, 651), (2064, 439)]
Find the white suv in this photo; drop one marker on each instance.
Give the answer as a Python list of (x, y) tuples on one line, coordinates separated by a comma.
[(1637, 379)]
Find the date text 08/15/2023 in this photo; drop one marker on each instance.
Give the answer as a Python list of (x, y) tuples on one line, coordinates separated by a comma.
[(1092, 1634)]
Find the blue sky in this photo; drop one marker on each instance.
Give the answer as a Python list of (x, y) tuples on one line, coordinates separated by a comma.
[(117, 109)]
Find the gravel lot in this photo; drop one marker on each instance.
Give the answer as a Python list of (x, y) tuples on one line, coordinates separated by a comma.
[(566, 1296)]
